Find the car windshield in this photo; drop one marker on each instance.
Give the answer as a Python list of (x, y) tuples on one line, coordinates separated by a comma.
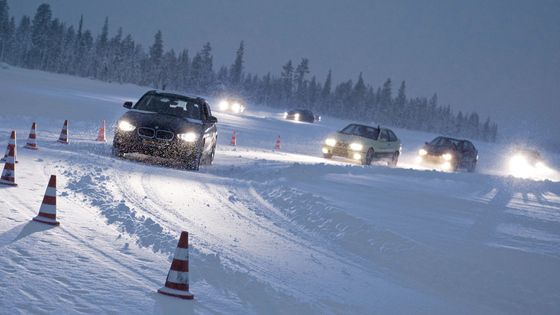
[(361, 131), (170, 105), (445, 142)]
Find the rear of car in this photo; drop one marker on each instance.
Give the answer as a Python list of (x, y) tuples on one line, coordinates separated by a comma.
[(364, 144)]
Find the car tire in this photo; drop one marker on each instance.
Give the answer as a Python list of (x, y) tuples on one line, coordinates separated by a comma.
[(210, 158), (394, 159), (327, 155), (472, 167), (369, 157), (193, 161), (117, 152)]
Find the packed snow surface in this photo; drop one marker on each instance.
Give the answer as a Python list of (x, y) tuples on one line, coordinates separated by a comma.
[(270, 231)]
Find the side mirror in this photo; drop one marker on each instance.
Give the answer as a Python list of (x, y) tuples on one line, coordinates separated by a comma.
[(212, 120), (128, 105)]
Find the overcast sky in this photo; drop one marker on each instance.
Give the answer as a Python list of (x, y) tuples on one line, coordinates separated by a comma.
[(500, 58)]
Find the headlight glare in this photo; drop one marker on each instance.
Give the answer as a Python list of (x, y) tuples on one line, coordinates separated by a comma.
[(356, 147), (224, 105), (188, 137), (422, 152), (330, 142), (447, 156), (126, 126)]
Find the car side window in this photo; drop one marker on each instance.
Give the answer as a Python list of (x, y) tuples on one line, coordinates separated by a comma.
[(383, 136), (392, 136), (205, 113)]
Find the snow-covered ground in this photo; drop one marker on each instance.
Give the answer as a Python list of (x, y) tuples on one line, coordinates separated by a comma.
[(270, 232)]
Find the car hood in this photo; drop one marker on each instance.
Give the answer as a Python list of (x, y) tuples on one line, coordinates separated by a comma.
[(341, 137), (161, 121)]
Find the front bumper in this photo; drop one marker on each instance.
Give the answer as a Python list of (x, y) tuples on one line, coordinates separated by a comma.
[(435, 161), (343, 151), (131, 142)]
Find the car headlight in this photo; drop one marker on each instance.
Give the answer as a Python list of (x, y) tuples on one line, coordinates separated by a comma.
[(126, 126), (285, 115), (422, 152), (356, 146), (331, 142), (188, 137), (224, 105), (236, 107), (296, 116), (447, 156)]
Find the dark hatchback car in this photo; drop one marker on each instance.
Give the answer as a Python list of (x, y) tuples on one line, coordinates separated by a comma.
[(170, 126), (302, 115), (449, 154)]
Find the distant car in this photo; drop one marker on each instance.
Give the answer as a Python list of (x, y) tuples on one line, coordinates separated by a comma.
[(449, 154), (527, 163), (170, 126), (363, 143), (302, 115), (231, 105)]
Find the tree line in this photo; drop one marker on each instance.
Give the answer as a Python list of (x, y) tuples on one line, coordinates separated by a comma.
[(48, 44)]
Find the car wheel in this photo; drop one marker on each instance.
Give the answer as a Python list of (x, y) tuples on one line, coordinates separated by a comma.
[(117, 152), (471, 167), (327, 155), (369, 157), (193, 161), (210, 158), (394, 159)]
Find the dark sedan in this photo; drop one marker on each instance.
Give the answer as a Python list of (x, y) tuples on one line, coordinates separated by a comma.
[(449, 154), (168, 125), (302, 115)]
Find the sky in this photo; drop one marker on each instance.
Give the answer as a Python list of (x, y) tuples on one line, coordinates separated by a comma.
[(500, 58)]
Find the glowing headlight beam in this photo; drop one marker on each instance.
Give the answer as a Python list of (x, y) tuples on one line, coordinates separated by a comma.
[(188, 137), (224, 105), (422, 152), (447, 157), (356, 147), (331, 142), (126, 126)]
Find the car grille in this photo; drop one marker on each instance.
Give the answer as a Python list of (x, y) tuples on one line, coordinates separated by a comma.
[(164, 135), (146, 132), (341, 145), (151, 133)]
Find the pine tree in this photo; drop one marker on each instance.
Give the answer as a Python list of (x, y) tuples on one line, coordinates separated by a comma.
[(326, 92), (4, 28), (39, 36), (287, 80), (236, 69), (154, 62)]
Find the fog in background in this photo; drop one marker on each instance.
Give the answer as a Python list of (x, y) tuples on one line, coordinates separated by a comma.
[(499, 58)]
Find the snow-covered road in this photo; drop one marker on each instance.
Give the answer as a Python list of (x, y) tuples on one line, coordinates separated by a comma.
[(271, 232)]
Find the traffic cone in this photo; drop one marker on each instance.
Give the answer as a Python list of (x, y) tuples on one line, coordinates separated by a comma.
[(9, 172), (177, 282), (32, 139), (101, 134), (47, 212), (11, 144), (64, 133), (277, 144), (233, 139)]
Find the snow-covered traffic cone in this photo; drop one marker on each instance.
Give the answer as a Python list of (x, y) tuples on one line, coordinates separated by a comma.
[(64, 133), (101, 134), (233, 139), (32, 139), (177, 282), (9, 172), (47, 212), (277, 143), (11, 144)]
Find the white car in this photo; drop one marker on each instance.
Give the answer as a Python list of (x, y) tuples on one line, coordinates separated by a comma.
[(231, 105)]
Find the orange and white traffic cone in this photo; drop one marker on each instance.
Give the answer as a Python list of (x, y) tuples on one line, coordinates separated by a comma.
[(9, 172), (64, 133), (177, 282), (47, 212), (32, 139), (101, 134), (11, 143), (233, 139), (277, 143)]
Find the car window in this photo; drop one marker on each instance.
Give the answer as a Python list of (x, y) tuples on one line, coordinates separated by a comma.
[(349, 130), (383, 135), (205, 113), (169, 105), (392, 136)]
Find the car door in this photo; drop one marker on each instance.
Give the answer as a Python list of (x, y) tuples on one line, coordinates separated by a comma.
[(384, 143), (209, 128)]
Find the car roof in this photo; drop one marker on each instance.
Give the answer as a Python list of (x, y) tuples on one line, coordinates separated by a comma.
[(190, 97), (450, 138)]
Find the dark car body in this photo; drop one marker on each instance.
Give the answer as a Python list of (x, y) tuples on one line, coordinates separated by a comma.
[(450, 153), (168, 125), (302, 115)]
